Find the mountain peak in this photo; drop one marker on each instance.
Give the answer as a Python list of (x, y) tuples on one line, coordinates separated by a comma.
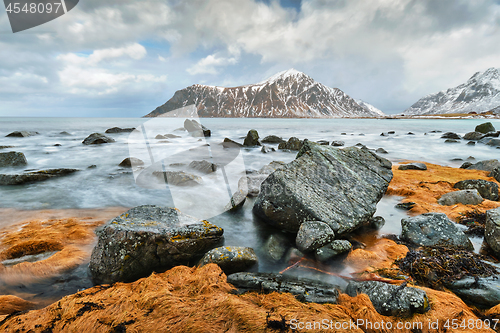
[(284, 75)]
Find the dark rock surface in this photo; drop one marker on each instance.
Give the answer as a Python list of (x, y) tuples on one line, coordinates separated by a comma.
[(486, 165), (474, 136), (493, 143), (391, 300), (231, 259), (272, 139), (495, 173), (228, 143), (21, 134), (433, 229), (305, 290), (471, 143), (131, 162), (451, 135), (492, 230), (332, 250), (338, 143), (97, 138), (203, 166), (483, 292), (488, 190), (12, 158), (381, 151), (292, 144), (485, 128), (313, 235), (119, 130), (149, 238), (405, 205), (376, 222), (276, 246), (266, 149), (465, 165), (340, 187), (451, 141), (413, 166), (34, 176), (466, 197), (252, 139)]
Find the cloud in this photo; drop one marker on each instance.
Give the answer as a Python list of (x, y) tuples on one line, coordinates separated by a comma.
[(211, 63)]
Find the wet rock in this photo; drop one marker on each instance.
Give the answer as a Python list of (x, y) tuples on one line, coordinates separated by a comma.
[(172, 136), (495, 173), (272, 139), (323, 142), (6, 147), (178, 178), (57, 145), (493, 143), (482, 292), (381, 151), (93, 166), (465, 165), (488, 190), (292, 144), (451, 141), (228, 143), (466, 197), (384, 134), (474, 136), (21, 134), (313, 235), (410, 133), (266, 149), (413, 166), (34, 176), (196, 129), (338, 143), (492, 230), (231, 259), (376, 222), (149, 238), (485, 128), (340, 187), (160, 137), (12, 158), (451, 135), (65, 133), (391, 300), (276, 246), (237, 201), (250, 184), (252, 139), (131, 162), (96, 139), (343, 133), (433, 229), (471, 143), (203, 166), (405, 205), (305, 290), (332, 250), (119, 130)]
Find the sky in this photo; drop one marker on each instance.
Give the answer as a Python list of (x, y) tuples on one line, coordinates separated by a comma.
[(119, 58)]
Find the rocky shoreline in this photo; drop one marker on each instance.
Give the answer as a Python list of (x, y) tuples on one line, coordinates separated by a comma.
[(322, 206)]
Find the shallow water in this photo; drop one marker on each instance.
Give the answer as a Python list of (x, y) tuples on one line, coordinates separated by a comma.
[(108, 185)]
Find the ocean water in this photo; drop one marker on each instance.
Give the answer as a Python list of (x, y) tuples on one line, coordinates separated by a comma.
[(108, 185)]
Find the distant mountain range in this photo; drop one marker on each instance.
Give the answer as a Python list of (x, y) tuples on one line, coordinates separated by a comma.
[(288, 94), (481, 93)]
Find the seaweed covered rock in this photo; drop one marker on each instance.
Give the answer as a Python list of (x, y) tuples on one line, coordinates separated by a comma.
[(391, 300), (488, 190), (149, 238), (340, 187), (305, 290), (231, 259), (492, 230), (433, 229)]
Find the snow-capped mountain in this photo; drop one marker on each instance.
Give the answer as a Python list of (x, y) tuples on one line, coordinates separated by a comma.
[(288, 94), (370, 107), (480, 93)]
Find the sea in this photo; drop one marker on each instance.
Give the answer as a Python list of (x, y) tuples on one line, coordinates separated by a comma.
[(101, 182)]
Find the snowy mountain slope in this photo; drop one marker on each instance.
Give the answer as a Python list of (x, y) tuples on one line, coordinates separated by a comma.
[(370, 107), (288, 94), (480, 93)]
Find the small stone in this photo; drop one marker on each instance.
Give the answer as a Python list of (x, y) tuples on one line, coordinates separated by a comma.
[(332, 250), (313, 235), (21, 134), (488, 190), (276, 246), (338, 143), (405, 205), (292, 144), (266, 149), (451, 141), (130, 162), (203, 166), (376, 222), (466, 197), (410, 133), (473, 136), (471, 143), (381, 151), (228, 143), (231, 259)]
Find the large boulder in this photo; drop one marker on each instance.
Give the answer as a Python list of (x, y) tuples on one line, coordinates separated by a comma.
[(34, 176), (252, 139), (21, 134), (292, 144), (433, 229), (485, 128), (96, 139), (149, 238), (465, 197), (119, 130), (313, 235), (391, 300), (450, 135), (305, 290), (12, 158), (196, 129), (488, 190), (492, 230), (231, 259), (340, 187), (482, 292), (272, 139), (493, 143), (474, 136), (486, 165)]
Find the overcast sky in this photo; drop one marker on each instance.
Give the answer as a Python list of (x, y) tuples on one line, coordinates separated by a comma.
[(119, 58)]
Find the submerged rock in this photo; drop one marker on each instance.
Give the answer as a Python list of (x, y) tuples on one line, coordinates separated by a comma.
[(228, 143), (381, 151), (12, 159), (131, 162), (237, 201), (466, 197), (276, 246), (313, 235), (451, 141), (413, 166), (488, 190), (340, 187), (266, 149), (149, 238), (292, 144), (391, 300), (252, 139), (203, 166), (179, 178), (474, 136), (433, 229), (231, 259), (34, 176), (21, 134), (97, 138), (119, 130), (338, 143), (272, 139), (305, 290), (492, 230), (451, 135), (493, 143), (485, 128)]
